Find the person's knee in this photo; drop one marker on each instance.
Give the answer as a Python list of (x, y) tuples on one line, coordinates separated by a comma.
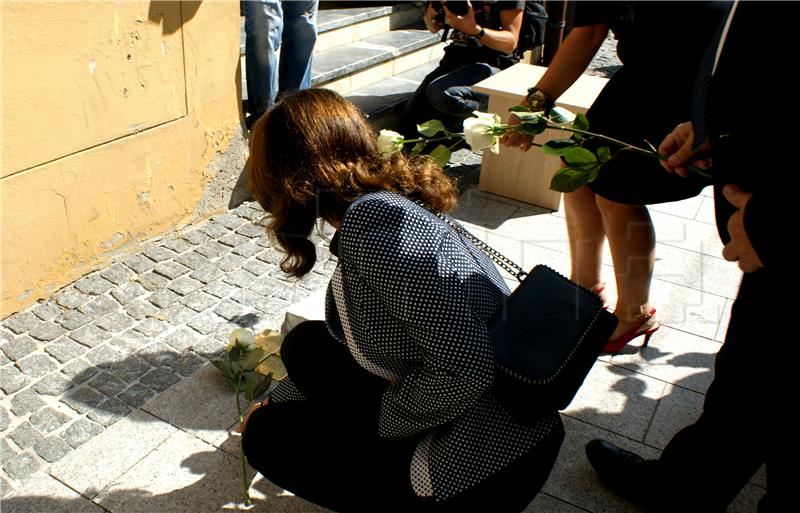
[(296, 343), (611, 207)]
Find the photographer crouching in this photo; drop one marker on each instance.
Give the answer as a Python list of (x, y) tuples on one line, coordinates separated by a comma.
[(483, 41)]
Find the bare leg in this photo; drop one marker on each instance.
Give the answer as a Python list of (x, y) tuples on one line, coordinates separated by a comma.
[(632, 241), (586, 235)]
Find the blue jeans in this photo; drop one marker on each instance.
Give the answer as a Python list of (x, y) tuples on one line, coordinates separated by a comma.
[(446, 94), (270, 25)]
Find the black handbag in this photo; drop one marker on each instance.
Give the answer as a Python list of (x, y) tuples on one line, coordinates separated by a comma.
[(546, 336)]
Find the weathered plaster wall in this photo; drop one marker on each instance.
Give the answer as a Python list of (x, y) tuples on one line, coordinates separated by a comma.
[(112, 114)]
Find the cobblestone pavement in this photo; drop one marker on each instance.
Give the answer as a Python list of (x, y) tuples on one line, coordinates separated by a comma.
[(75, 364)]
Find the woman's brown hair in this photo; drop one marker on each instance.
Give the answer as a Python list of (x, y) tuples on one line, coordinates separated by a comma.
[(312, 155)]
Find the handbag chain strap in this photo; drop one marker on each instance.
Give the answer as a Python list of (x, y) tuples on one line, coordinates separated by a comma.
[(507, 264)]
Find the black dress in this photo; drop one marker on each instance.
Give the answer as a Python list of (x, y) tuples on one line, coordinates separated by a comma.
[(660, 45)]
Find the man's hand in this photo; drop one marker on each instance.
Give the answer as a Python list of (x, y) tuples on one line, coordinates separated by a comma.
[(677, 146), (514, 139), (430, 21), (465, 23), (739, 248)]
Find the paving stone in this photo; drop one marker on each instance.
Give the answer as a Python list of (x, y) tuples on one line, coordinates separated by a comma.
[(12, 380), (228, 309), (158, 353), (185, 364), (178, 315), (312, 281), (130, 369), (22, 467), (117, 274), (25, 436), (185, 285), (210, 346), (6, 452), (21, 322), (20, 347), (104, 356), (70, 298), (205, 323), (267, 286), (230, 263), (139, 309), (239, 279), (26, 402), (157, 253), (4, 419), (250, 299), (199, 301), (79, 370), (37, 365), (163, 298), (110, 411), (247, 249), (83, 399), (99, 307), (160, 379), (139, 264), (90, 336), (64, 349), (151, 327), (219, 288), (148, 433), (48, 419), (47, 331), (73, 319), (195, 237), (178, 245), (192, 260), (115, 322), (251, 230), (3, 359), (229, 220), (108, 384), (127, 292), (171, 270), (47, 311), (130, 341), (153, 281), (256, 267), (233, 239), (212, 249), (80, 431), (243, 210), (42, 493), (182, 339), (93, 284), (215, 231), (53, 384), (270, 256), (137, 394), (207, 273), (5, 488), (52, 449)]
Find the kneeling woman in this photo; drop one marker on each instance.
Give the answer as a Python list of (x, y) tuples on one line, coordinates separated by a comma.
[(388, 405)]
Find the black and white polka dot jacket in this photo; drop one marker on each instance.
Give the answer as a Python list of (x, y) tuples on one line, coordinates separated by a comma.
[(411, 299)]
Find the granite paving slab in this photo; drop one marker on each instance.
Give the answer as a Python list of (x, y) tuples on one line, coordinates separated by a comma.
[(46, 494)]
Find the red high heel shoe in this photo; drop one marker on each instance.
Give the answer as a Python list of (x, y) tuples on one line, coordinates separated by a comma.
[(615, 344), (599, 289)]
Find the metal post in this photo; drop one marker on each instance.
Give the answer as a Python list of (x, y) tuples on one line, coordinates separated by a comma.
[(556, 12)]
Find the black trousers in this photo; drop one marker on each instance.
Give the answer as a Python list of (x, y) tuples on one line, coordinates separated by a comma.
[(745, 420), (327, 450)]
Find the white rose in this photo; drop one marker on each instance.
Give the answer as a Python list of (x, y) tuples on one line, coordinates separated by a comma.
[(478, 132), (389, 143), (241, 338)]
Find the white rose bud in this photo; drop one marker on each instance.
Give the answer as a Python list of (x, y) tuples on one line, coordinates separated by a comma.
[(478, 132), (241, 338), (389, 143)]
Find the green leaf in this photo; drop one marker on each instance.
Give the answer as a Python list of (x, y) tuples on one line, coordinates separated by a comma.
[(252, 359), (234, 354), (418, 148), (581, 122), (603, 154), (579, 157), (431, 127), (519, 108), (263, 386), (558, 147), (441, 155), (251, 382), (568, 179)]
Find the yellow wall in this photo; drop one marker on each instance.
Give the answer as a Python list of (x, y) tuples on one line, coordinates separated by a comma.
[(111, 113)]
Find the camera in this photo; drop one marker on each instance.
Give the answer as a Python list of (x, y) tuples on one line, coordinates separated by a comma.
[(457, 7)]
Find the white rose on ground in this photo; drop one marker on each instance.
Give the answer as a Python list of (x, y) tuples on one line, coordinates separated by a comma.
[(241, 338), (478, 132), (389, 143)]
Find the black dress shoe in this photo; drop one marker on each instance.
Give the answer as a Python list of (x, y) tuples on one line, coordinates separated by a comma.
[(627, 474)]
